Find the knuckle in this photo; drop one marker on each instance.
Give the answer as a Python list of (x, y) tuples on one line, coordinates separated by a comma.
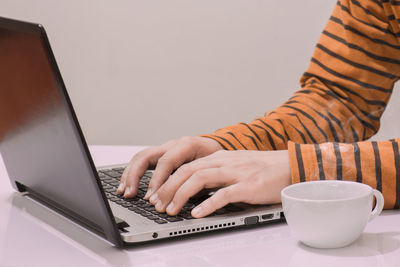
[(141, 155), (187, 140), (199, 175), (169, 143), (212, 203), (138, 161), (184, 169), (225, 194), (164, 160)]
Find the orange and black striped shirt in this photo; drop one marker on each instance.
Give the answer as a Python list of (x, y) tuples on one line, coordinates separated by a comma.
[(343, 94)]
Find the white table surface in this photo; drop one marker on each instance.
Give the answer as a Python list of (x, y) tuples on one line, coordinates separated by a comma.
[(31, 235)]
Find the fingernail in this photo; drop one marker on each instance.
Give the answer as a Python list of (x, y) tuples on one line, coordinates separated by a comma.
[(197, 211), (127, 191), (158, 205), (148, 193), (121, 187), (170, 208), (154, 198)]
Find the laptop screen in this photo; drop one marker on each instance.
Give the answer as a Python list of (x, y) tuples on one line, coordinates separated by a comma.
[(40, 140)]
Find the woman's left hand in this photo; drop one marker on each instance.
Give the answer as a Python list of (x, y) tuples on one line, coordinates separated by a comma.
[(254, 177)]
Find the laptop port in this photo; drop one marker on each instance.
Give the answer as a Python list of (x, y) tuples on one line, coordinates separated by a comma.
[(267, 216), (251, 220)]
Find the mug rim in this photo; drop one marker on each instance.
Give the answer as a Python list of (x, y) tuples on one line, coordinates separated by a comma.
[(285, 195)]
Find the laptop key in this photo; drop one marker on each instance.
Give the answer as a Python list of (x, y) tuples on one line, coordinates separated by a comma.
[(188, 206), (155, 212), (140, 194), (133, 200), (142, 201), (134, 208), (101, 175), (233, 208), (150, 209), (113, 174), (148, 215), (142, 190), (114, 193), (173, 219), (221, 211), (114, 184), (126, 204), (186, 216), (109, 189), (159, 221), (148, 174), (144, 187), (145, 205), (141, 212)]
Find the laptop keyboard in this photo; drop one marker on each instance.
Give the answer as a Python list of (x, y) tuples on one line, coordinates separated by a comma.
[(110, 179)]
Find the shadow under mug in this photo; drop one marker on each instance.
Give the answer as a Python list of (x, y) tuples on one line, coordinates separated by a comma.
[(329, 213)]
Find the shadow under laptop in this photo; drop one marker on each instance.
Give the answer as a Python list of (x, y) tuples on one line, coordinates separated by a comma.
[(35, 234)]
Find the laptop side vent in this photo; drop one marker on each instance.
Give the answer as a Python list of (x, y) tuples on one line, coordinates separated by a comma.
[(202, 228)]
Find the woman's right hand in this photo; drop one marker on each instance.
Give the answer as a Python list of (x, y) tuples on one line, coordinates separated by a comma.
[(165, 158)]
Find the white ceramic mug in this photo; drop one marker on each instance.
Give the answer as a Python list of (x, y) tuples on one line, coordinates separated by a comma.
[(329, 214)]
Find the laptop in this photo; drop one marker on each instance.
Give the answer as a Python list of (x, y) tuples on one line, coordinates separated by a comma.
[(47, 158)]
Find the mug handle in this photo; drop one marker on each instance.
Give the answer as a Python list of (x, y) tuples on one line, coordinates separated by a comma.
[(379, 204)]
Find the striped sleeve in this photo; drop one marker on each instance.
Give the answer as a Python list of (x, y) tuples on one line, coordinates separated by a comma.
[(374, 163), (343, 92)]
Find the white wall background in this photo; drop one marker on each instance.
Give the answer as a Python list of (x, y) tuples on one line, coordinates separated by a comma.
[(146, 71)]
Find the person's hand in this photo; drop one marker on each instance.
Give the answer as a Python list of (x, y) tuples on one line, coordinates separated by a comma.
[(165, 158), (254, 177)]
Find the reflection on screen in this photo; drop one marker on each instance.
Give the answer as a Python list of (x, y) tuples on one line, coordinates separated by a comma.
[(27, 84)]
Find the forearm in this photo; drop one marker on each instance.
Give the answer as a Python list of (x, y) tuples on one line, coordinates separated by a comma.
[(344, 90), (374, 163)]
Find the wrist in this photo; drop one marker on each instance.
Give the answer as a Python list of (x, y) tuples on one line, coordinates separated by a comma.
[(284, 160)]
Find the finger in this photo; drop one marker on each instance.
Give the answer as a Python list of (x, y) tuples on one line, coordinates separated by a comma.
[(220, 199), (166, 191), (136, 168), (205, 178), (170, 161)]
